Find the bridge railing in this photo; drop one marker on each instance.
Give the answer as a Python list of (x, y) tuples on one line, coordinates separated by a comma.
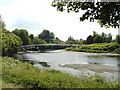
[(38, 45)]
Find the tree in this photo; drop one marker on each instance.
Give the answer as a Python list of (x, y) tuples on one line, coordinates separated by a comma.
[(47, 35), (107, 13), (31, 37), (94, 34), (84, 41), (98, 39), (80, 41), (23, 34), (71, 40), (37, 40), (89, 39), (117, 39), (10, 43), (2, 24), (52, 35), (104, 36), (57, 41), (109, 38)]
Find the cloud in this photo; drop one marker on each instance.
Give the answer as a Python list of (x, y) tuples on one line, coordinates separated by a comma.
[(36, 15), (6, 2), (22, 23)]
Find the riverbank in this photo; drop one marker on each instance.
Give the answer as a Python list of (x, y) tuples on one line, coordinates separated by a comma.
[(112, 47), (115, 54), (28, 76), (93, 67), (10, 85)]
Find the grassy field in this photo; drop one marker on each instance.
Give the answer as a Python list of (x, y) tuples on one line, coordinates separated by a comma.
[(98, 48), (23, 74)]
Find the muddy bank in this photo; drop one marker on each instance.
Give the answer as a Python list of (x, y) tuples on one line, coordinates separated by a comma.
[(93, 67)]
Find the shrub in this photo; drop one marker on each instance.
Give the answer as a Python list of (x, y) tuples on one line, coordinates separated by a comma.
[(97, 48), (28, 76), (117, 50), (10, 43), (117, 39)]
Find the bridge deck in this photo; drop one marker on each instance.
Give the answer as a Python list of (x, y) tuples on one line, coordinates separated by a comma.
[(65, 45)]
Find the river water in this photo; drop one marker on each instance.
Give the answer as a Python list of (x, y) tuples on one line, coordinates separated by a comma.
[(68, 61)]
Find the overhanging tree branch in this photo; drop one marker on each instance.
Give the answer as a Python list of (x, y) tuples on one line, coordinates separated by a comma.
[(107, 13)]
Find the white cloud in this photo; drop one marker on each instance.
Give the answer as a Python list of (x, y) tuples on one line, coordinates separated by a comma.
[(36, 15)]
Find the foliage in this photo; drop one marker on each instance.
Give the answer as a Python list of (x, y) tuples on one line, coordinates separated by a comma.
[(47, 35), (37, 40), (28, 76), (84, 42), (94, 34), (109, 38), (89, 39), (10, 85), (2, 24), (10, 43), (52, 35), (71, 40), (98, 48), (23, 34), (106, 12), (117, 39), (104, 36), (57, 41), (98, 39), (117, 50), (31, 37)]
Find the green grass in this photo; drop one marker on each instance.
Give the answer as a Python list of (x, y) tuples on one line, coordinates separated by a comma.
[(9, 85), (28, 76), (98, 48)]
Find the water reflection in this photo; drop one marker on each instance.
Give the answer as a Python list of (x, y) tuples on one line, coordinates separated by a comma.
[(109, 60)]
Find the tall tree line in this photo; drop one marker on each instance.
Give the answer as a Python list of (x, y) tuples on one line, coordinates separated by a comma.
[(96, 38)]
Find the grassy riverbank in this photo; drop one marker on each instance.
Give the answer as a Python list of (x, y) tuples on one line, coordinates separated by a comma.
[(26, 75), (98, 48)]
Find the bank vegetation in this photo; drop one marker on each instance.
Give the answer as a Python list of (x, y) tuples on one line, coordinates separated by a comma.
[(26, 75), (112, 47)]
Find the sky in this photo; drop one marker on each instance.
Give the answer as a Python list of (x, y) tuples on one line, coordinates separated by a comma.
[(37, 15)]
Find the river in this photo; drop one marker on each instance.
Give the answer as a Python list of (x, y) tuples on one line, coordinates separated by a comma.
[(77, 64)]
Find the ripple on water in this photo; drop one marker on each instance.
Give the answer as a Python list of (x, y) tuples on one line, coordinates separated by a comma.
[(56, 58)]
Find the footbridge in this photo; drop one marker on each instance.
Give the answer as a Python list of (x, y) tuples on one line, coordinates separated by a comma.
[(49, 46)]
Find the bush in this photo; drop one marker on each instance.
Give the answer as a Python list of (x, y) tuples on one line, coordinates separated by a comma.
[(24, 74), (96, 48), (117, 51), (10, 43), (117, 39), (23, 34)]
